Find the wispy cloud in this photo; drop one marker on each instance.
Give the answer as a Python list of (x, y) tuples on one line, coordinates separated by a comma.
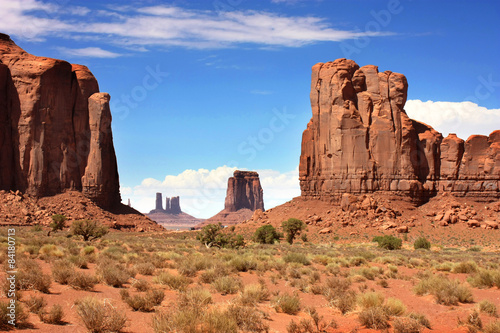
[(168, 26), (202, 192), (94, 52), (464, 118)]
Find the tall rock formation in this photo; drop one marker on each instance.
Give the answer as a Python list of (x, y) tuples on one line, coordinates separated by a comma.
[(55, 128), (158, 205), (175, 206), (244, 191), (360, 140), (243, 197)]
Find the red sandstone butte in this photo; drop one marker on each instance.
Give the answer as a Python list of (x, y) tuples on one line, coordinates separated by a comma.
[(55, 128), (360, 140), (244, 196)]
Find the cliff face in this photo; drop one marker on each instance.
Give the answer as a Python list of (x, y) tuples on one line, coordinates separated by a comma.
[(55, 128), (360, 140), (244, 191)]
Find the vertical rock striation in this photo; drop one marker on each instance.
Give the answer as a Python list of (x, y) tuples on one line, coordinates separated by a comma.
[(58, 128), (244, 191), (360, 140)]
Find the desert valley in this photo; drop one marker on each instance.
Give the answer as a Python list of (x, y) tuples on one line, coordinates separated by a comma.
[(396, 228)]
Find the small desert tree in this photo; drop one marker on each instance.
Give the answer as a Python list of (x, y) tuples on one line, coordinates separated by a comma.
[(292, 227), (58, 223), (89, 230), (212, 236), (266, 234)]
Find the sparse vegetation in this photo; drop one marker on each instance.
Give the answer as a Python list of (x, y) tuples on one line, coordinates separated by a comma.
[(422, 243), (99, 316), (266, 234), (89, 230), (388, 242), (292, 227)]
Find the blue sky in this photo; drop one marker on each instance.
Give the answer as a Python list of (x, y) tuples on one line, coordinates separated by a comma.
[(200, 88)]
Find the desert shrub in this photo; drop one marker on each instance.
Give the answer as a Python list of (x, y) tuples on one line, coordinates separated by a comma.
[(266, 234), (210, 275), (444, 267), (488, 307), (174, 282), (48, 251), (112, 274), (345, 302), (62, 271), (370, 300), (195, 298), (393, 307), (473, 322), (58, 223), (143, 302), (30, 276), (253, 294), (286, 303), (145, 268), (100, 316), (54, 316), (445, 291), (243, 264), (21, 316), (141, 285), (78, 261), (82, 281), (388, 242), (217, 321), (421, 318), (374, 317), (248, 319), (493, 327), (292, 227), (482, 279), (89, 230), (36, 304), (422, 243), (465, 267), (407, 325), (227, 285), (212, 236), (88, 250), (296, 257)]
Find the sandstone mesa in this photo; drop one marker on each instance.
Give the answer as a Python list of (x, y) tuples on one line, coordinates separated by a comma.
[(360, 140)]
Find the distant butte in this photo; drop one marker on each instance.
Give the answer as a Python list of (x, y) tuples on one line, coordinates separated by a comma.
[(172, 217), (244, 196)]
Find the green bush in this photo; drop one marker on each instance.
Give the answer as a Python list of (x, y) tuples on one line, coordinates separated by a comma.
[(58, 223), (212, 236), (89, 230), (292, 227), (388, 242), (266, 234), (422, 243)]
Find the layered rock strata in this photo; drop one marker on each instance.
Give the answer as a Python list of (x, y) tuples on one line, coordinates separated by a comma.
[(360, 140), (55, 128)]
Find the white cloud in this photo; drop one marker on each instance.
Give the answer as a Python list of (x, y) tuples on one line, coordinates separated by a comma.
[(202, 192), (168, 26), (463, 118), (94, 52)]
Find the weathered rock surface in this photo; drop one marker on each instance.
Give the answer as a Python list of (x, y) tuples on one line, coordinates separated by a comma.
[(244, 196), (55, 128), (360, 140), (244, 191)]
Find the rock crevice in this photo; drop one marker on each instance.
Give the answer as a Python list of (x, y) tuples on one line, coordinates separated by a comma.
[(58, 127), (360, 140)]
